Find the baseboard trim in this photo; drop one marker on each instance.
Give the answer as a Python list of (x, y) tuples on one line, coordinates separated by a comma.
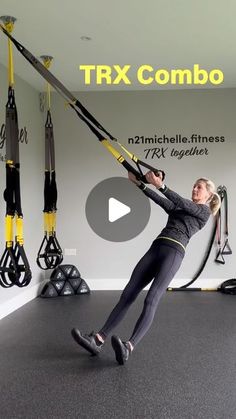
[(20, 300), (95, 285), (119, 284), (106, 284)]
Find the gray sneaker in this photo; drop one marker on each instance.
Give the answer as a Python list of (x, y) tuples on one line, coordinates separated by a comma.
[(121, 349), (89, 342)]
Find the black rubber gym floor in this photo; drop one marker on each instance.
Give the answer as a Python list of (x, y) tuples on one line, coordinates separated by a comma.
[(185, 367)]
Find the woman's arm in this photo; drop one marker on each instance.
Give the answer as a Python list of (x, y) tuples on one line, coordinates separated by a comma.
[(186, 204), (163, 202), (197, 210)]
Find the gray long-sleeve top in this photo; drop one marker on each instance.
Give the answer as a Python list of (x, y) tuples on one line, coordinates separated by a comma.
[(185, 216)]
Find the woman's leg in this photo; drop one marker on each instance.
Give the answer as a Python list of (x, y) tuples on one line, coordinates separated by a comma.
[(142, 274), (169, 261)]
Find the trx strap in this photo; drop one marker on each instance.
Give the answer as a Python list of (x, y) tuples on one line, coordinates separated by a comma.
[(14, 266), (219, 256), (228, 287), (50, 253), (223, 248), (222, 192), (85, 115)]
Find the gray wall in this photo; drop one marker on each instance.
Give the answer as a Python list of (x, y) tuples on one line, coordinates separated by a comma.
[(32, 165), (82, 163)]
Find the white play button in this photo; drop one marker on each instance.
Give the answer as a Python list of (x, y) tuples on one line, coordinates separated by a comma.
[(116, 210)]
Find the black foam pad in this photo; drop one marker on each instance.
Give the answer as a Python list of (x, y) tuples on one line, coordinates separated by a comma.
[(74, 273), (64, 272), (67, 270), (57, 274), (66, 280), (59, 285), (49, 291), (67, 289), (83, 288), (75, 283)]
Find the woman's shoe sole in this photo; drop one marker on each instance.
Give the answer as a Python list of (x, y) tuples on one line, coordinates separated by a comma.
[(82, 342), (116, 345)]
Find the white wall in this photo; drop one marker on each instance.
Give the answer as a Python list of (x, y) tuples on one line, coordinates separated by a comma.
[(32, 166), (82, 163)]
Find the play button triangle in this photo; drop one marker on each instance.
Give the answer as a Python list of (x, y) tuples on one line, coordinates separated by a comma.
[(116, 209)]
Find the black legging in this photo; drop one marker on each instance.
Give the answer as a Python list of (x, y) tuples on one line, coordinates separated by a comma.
[(161, 262)]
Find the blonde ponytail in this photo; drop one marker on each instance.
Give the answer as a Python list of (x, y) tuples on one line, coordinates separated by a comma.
[(214, 200), (215, 203)]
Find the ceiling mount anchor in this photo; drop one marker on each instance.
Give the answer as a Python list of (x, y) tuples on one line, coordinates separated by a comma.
[(8, 22), (47, 59)]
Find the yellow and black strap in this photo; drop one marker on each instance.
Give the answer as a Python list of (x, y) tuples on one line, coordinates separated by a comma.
[(50, 253), (102, 134), (14, 266)]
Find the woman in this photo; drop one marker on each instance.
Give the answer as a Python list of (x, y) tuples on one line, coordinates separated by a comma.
[(160, 263)]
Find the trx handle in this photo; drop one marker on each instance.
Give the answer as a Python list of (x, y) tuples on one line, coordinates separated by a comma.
[(219, 257), (85, 116), (24, 274), (14, 265), (138, 174), (157, 172), (226, 250), (8, 268), (50, 253), (139, 163)]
